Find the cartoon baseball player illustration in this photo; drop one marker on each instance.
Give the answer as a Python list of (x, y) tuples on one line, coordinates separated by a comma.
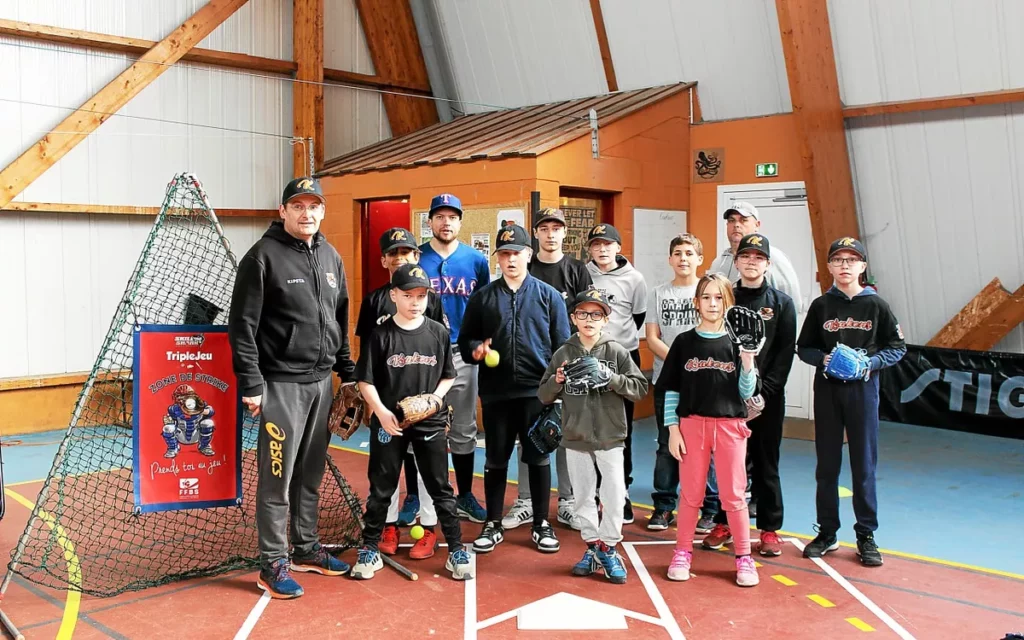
[(188, 421)]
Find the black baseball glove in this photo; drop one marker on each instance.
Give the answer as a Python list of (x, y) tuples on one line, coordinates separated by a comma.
[(546, 432), (586, 373), (745, 327)]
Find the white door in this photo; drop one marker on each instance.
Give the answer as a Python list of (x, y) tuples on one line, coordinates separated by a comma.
[(785, 220)]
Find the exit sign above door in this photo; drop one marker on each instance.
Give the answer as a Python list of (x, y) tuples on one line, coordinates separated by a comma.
[(767, 170)]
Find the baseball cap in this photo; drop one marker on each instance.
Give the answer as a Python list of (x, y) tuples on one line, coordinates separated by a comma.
[(409, 276), (745, 209), (302, 187), (605, 232), (848, 244), (594, 295), (445, 201), (396, 237), (512, 238), (548, 214), (754, 242)]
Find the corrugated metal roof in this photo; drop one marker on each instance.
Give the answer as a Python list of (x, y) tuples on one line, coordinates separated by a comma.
[(526, 131)]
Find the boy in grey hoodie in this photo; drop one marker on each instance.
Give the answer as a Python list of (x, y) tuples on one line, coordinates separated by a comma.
[(594, 430), (626, 292)]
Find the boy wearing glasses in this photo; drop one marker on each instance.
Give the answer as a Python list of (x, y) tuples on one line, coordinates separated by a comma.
[(594, 431), (850, 314)]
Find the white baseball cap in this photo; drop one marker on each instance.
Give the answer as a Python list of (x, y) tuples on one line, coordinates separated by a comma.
[(745, 209)]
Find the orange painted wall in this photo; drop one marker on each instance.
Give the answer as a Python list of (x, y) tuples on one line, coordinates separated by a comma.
[(746, 143)]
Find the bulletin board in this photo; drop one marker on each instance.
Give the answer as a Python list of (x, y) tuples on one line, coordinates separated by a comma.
[(480, 226)]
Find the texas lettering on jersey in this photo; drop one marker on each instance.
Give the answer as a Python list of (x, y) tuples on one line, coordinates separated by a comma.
[(835, 324), (399, 360), (461, 286), (696, 364)]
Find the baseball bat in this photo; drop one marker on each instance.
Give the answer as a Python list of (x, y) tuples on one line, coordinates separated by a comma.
[(400, 568)]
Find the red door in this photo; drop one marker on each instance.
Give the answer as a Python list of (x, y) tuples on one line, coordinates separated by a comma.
[(379, 216)]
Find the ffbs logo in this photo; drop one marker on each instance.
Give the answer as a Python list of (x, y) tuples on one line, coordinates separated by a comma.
[(1009, 397), (188, 487)]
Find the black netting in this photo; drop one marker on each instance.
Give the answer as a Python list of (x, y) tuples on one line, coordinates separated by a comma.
[(83, 534)]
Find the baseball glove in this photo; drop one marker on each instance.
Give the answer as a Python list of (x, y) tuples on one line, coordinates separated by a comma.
[(586, 373), (413, 409), (755, 406), (348, 411), (745, 327), (847, 363), (546, 432)]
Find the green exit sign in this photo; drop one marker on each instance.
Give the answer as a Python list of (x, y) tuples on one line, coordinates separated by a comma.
[(767, 170)]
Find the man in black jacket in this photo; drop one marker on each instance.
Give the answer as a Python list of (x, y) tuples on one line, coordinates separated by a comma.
[(288, 328), (774, 362)]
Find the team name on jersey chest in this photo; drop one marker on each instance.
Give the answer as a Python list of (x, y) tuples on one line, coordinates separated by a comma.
[(837, 324), (399, 360), (696, 364), (452, 285)]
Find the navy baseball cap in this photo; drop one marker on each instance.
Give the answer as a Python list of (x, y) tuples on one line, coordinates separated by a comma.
[(755, 242), (395, 238), (595, 296), (512, 238), (445, 201), (848, 244), (410, 276), (302, 187), (605, 232)]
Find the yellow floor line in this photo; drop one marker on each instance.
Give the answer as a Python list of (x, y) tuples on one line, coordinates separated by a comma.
[(860, 624), (825, 602), (783, 580), (74, 598)]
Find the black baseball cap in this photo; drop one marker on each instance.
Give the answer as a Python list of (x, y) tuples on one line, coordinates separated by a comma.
[(595, 296), (304, 186), (549, 214), (755, 242), (410, 276), (395, 238), (848, 244), (605, 232), (512, 238)]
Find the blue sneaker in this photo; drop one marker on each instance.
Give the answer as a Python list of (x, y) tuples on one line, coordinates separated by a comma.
[(587, 565), (368, 563), (320, 562), (468, 507), (278, 582), (611, 562), (410, 509), (459, 564)]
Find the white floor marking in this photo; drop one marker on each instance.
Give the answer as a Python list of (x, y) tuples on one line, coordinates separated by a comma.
[(667, 619), (469, 626), (254, 617), (853, 591)]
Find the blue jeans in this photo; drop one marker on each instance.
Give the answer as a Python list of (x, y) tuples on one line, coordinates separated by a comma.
[(666, 470)]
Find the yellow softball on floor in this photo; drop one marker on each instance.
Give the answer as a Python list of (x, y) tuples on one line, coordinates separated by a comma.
[(416, 532), (492, 358)]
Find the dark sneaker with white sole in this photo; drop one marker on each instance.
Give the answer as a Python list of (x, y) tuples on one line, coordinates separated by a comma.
[(868, 551), (660, 520), (544, 537), (490, 536), (824, 542)]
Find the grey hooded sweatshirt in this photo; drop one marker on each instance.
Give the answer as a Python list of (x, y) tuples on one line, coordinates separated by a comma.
[(627, 293), (595, 420)]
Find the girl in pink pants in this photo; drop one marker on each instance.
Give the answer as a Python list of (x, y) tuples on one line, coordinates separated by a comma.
[(707, 381)]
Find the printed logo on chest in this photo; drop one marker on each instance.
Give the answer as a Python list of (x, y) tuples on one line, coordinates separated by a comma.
[(677, 313), (400, 360), (835, 324), (696, 364), (451, 285)]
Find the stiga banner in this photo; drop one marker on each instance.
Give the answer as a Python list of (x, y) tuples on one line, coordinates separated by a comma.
[(977, 391), (187, 419)]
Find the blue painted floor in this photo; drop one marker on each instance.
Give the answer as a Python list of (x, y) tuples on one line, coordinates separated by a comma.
[(943, 494)]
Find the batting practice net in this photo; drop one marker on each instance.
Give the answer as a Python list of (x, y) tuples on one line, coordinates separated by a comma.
[(84, 533)]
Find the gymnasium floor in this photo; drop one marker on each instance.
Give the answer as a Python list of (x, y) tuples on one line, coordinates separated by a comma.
[(948, 502)]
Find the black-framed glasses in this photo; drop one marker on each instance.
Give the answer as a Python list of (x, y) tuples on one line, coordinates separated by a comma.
[(593, 315), (839, 262)]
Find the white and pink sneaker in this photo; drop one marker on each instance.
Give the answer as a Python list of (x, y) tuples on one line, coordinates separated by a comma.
[(679, 568), (746, 572)]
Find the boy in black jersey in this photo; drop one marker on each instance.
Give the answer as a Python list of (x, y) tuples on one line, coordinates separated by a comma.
[(398, 247), (405, 356), (855, 316)]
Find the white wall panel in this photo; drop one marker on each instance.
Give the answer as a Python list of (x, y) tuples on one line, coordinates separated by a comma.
[(352, 119), (509, 54), (732, 49), (941, 200), (890, 50), (345, 44)]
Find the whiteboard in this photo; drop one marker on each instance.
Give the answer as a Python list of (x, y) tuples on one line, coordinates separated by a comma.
[(653, 229)]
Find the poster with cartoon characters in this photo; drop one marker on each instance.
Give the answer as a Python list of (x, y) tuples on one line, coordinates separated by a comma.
[(187, 419)]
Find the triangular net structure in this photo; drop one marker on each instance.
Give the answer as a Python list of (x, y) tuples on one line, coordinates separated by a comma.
[(84, 533)]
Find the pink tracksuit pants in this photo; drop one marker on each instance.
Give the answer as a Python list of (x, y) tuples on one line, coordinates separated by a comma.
[(726, 439)]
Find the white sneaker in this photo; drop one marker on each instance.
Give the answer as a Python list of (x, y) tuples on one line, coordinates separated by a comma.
[(520, 513), (567, 513)]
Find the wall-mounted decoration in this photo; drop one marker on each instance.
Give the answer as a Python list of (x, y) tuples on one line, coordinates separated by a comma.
[(709, 165)]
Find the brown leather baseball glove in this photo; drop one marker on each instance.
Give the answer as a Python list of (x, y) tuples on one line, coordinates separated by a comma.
[(348, 411), (415, 409)]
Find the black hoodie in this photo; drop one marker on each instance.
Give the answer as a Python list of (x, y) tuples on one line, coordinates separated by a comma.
[(779, 314), (289, 312)]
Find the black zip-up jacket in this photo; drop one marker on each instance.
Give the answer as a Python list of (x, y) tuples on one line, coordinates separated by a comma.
[(525, 328), (779, 314), (289, 313)]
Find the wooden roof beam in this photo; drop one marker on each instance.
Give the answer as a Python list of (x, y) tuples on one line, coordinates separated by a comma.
[(602, 44), (934, 104), (118, 92), (121, 210), (308, 91), (818, 112), (398, 59), (984, 320)]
